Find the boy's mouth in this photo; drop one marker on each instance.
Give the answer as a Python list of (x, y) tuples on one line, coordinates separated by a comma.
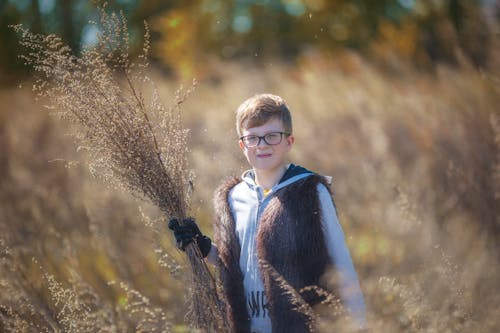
[(266, 155)]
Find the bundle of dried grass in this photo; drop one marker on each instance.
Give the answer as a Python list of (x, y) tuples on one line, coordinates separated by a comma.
[(132, 144)]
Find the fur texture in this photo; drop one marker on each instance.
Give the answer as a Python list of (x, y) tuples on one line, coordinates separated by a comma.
[(290, 239), (229, 260)]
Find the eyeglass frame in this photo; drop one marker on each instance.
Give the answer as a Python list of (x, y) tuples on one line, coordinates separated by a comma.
[(263, 138)]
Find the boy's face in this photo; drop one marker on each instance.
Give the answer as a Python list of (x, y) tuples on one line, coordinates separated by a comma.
[(264, 156)]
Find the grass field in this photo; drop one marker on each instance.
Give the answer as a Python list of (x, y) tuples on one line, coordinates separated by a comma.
[(415, 159)]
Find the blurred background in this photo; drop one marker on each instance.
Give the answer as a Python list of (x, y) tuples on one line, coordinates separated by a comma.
[(397, 100)]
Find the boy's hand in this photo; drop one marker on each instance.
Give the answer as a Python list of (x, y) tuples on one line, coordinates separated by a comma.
[(188, 231)]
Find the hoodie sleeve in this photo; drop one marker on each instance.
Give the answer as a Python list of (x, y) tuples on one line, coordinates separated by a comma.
[(350, 291)]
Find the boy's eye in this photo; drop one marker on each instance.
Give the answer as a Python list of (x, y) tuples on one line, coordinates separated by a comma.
[(251, 139), (272, 136)]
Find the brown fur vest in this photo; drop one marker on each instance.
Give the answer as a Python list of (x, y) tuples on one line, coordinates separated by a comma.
[(289, 241)]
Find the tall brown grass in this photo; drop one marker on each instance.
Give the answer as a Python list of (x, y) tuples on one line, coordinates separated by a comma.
[(132, 144), (415, 161)]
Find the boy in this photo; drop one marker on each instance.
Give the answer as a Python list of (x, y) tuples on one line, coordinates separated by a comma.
[(278, 218)]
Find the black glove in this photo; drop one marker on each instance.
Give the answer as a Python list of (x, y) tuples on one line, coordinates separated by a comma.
[(187, 232)]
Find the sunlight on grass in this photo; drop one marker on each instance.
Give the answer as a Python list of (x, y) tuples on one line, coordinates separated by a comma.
[(415, 162)]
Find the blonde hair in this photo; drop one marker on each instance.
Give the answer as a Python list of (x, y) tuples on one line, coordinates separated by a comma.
[(259, 109)]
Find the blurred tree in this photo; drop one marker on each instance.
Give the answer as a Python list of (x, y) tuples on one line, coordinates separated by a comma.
[(187, 32), (68, 24), (472, 30), (8, 57), (177, 48), (449, 26), (420, 32)]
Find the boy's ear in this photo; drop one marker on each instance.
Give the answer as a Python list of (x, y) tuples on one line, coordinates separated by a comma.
[(242, 146), (290, 140)]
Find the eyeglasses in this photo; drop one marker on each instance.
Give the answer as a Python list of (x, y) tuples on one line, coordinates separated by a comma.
[(271, 139)]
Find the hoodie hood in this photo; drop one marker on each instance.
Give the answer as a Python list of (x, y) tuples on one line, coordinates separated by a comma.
[(291, 175), (292, 171)]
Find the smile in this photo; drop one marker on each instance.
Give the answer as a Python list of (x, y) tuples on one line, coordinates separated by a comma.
[(264, 155)]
